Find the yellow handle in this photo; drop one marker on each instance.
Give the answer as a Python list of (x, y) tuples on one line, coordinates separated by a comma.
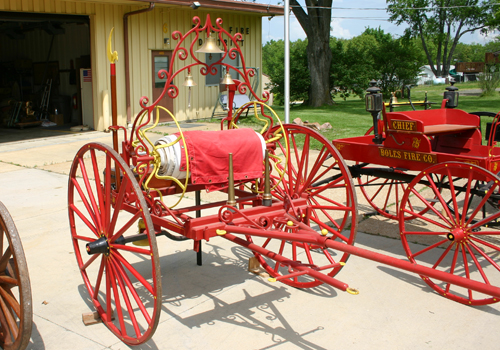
[(112, 56)]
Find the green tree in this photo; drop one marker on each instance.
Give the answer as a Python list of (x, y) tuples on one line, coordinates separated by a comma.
[(398, 61), (442, 22), (374, 55), (272, 63), (469, 52), (352, 65)]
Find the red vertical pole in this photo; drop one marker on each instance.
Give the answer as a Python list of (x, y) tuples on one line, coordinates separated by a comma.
[(114, 114), (113, 57)]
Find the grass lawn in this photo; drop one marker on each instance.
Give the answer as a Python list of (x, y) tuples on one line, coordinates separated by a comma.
[(349, 118)]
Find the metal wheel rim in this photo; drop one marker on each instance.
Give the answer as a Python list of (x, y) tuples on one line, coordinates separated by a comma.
[(465, 252)]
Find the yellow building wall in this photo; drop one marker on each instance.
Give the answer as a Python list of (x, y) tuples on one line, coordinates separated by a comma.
[(145, 34)]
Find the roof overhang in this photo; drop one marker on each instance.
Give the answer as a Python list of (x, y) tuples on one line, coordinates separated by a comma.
[(228, 5)]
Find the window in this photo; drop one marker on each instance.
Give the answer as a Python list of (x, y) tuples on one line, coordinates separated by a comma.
[(161, 62), (214, 80)]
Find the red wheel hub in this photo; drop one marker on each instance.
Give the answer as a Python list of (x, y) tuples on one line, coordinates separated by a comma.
[(458, 234)]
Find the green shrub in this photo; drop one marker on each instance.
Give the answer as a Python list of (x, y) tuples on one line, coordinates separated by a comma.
[(489, 80)]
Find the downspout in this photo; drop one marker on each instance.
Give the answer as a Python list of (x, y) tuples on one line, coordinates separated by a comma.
[(127, 72)]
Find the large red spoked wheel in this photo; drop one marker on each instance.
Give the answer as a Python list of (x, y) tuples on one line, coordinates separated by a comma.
[(316, 171), (123, 280), (16, 311), (384, 194), (459, 234)]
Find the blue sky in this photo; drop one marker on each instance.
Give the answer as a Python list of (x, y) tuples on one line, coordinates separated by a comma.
[(346, 23)]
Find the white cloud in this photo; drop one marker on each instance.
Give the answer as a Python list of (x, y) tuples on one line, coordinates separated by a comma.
[(337, 31), (479, 38)]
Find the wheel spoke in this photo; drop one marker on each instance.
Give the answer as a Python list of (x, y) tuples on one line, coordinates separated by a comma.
[(74, 209), (97, 179), (429, 248), (125, 297), (134, 272), (99, 279), (90, 193), (426, 218), (7, 313), (477, 264), (118, 207), (86, 204), (116, 294), (125, 227), (481, 204), (485, 256), (130, 286), (487, 244), (11, 301), (431, 207), (5, 259), (89, 262), (452, 268)]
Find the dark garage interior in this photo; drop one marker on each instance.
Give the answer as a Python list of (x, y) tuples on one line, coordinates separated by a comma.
[(41, 57)]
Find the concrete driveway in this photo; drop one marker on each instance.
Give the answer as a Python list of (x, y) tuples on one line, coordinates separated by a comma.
[(220, 305)]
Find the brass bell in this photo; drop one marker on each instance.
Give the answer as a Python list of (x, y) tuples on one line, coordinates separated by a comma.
[(227, 80), (210, 46), (189, 81)]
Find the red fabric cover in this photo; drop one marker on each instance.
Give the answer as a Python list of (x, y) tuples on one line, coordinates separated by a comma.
[(209, 156)]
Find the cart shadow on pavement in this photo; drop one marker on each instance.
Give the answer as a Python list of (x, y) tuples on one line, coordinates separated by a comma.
[(219, 298), (222, 291), (417, 282)]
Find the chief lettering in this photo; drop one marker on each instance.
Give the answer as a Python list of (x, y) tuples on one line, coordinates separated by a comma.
[(405, 125)]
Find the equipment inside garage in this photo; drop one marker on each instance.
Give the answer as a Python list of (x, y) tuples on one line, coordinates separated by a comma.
[(40, 61)]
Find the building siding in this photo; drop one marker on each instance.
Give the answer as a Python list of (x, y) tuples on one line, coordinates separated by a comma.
[(145, 34)]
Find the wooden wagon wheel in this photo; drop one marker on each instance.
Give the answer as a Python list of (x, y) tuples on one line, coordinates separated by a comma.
[(459, 234), (315, 170), (384, 194), (123, 281), (16, 310)]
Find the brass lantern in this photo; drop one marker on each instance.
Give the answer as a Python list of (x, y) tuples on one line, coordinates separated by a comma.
[(451, 95), (374, 103), (373, 100)]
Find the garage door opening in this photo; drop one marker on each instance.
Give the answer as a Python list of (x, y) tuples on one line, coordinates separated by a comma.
[(41, 60)]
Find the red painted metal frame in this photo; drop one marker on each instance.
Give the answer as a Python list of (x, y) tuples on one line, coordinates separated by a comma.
[(247, 221), (286, 220)]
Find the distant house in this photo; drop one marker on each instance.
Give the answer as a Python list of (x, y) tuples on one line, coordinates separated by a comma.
[(492, 57), (426, 76)]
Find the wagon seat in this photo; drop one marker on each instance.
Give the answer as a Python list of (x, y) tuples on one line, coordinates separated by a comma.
[(439, 130)]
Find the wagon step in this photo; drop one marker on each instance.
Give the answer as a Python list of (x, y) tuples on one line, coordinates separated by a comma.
[(305, 272)]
